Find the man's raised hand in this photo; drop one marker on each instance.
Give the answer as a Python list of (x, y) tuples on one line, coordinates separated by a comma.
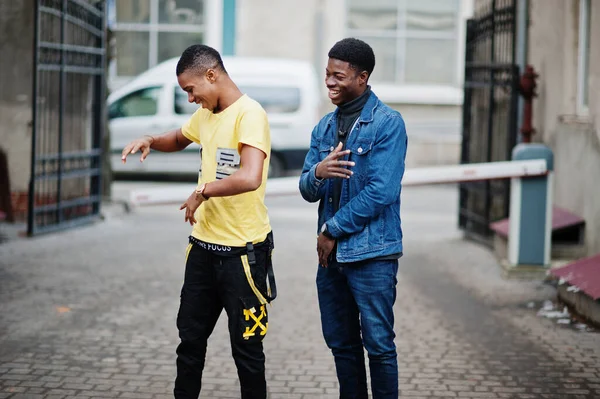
[(142, 144), (334, 166)]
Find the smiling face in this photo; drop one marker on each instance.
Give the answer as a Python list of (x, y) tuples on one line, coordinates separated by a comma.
[(344, 82), (200, 88)]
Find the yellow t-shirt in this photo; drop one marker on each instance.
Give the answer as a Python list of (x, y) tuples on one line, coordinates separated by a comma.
[(238, 219)]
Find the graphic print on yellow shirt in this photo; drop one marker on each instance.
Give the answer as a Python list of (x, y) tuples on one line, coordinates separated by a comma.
[(228, 162), (242, 218)]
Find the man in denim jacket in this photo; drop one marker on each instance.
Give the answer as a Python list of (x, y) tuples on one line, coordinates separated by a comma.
[(354, 169)]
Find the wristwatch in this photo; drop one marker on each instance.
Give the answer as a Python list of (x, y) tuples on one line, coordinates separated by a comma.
[(200, 193), (326, 232)]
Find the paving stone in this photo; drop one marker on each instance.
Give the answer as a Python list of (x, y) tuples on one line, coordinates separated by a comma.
[(90, 313)]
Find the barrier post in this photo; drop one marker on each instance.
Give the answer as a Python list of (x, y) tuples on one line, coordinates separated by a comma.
[(530, 223)]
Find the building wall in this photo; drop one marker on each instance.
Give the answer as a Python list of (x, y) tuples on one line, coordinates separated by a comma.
[(433, 134), (573, 136), (16, 41), (306, 30), (300, 30), (149, 32), (553, 31)]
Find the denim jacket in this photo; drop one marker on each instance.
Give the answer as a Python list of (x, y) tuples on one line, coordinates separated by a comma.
[(367, 224)]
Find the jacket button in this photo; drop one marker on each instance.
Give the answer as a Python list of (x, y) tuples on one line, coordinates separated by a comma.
[(330, 148), (330, 199), (359, 150)]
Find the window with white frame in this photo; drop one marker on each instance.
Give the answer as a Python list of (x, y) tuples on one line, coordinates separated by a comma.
[(148, 32), (583, 57), (415, 41)]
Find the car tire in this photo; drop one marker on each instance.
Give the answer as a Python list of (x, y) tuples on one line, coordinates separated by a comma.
[(276, 168)]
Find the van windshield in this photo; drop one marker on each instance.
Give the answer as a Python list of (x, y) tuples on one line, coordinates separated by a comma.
[(275, 100)]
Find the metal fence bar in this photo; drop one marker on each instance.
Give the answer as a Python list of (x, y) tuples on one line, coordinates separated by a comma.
[(71, 48), (51, 228), (88, 7), (34, 121), (71, 155), (72, 69), (76, 21), (99, 117), (72, 174), (61, 107), (68, 204)]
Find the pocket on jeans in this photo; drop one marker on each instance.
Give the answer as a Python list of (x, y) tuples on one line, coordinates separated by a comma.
[(254, 320)]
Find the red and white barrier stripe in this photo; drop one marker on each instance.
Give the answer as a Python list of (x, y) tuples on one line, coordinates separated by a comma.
[(412, 177)]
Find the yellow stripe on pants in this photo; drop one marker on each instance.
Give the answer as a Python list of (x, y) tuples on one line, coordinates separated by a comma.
[(260, 296), (187, 251)]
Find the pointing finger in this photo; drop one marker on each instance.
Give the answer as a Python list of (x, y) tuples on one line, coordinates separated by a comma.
[(145, 153), (125, 152), (136, 148)]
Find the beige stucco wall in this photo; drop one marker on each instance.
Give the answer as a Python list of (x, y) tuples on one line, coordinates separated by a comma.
[(306, 30), (301, 30), (573, 135), (16, 41), (553, 53), (433, 134)]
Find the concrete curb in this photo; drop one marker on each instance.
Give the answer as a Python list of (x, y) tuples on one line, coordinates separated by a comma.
[(580, 302)]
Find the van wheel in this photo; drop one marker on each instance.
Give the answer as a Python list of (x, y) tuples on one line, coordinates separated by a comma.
[(275, 166)]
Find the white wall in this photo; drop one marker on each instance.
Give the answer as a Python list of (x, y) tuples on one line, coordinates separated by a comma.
[(573, 135), (307, 29)]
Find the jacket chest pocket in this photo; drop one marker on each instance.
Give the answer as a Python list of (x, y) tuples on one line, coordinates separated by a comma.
[(360, 152), (324, 150)]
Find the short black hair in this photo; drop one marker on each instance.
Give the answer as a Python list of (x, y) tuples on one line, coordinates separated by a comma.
[(357, 53), (199, 57)]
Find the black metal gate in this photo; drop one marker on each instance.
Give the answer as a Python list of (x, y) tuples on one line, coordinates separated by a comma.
[(68, 113), (489, 130)]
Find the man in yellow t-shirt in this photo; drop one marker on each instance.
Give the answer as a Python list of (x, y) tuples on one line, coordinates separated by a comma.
[(228, 260)]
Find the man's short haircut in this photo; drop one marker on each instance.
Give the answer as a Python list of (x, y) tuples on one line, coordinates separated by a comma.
[(357, 53), (199, 58)]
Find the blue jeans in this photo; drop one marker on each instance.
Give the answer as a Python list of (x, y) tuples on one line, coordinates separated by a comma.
[(356, 302)]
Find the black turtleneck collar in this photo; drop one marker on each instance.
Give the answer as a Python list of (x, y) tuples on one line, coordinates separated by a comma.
[(356, 105)]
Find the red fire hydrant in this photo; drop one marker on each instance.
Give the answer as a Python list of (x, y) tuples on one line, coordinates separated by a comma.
[(527, 86)]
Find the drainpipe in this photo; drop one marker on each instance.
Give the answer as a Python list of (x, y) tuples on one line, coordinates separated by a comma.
[(522, 39), (229, 27), (527, 86)]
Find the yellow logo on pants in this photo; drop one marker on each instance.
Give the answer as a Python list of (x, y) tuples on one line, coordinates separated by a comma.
[(249, 313)]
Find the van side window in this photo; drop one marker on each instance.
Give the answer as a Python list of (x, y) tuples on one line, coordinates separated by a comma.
[(181, 104), (142, 102), (275, 99)]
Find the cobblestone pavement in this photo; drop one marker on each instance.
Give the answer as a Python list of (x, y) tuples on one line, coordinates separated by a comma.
[(90, 313)]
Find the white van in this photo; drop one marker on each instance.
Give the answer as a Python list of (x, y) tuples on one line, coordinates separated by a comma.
[(154, 103)]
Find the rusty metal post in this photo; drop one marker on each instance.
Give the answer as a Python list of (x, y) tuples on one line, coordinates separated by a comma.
[(527, 86)]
